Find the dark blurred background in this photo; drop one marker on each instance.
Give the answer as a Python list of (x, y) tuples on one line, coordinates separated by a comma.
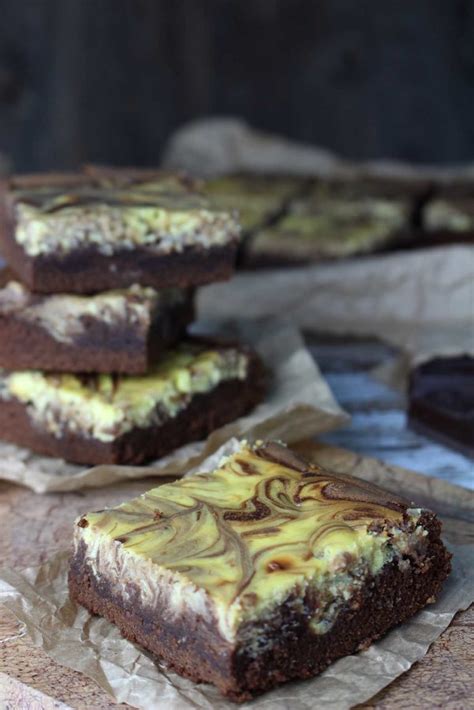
[(109, 80)]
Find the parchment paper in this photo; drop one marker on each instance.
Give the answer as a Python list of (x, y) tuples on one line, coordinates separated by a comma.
[(214, 146), (420, 301), (38, 597), (298, 404)]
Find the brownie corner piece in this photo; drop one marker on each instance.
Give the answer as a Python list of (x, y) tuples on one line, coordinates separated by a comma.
[(190, 390), (277, 568), (102, 232)]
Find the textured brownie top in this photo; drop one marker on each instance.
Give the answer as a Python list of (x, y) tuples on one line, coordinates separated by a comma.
[(249, 185), (65, 317), (265, 525), (106, 406), (256, 197), (337, 221), (105, 213)]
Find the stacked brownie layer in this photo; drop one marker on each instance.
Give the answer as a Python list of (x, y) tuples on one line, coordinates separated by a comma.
[(95, 365)]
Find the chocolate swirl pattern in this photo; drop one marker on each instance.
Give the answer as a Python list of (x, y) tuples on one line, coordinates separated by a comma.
[(259, 527)]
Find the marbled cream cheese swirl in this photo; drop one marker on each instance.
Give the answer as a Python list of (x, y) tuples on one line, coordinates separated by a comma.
[(259, 527), (162, 215)]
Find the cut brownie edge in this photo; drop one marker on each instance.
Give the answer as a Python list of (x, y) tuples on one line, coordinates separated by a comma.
[(193, 647), (87, 271), (204, 657), (228, 401), (102, 347)]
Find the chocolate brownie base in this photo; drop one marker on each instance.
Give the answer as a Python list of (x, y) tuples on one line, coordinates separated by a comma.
[(443, 237), (421, 239), (206, 412), (194, 648), (102, 347), (88, 271), (441, 402)]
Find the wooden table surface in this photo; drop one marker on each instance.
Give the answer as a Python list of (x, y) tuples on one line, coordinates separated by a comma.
[(40, 525)]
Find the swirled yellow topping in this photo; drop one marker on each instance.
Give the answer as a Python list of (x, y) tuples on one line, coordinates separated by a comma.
[(106, 406), (260, 528), (334, 226), (255, 197), (107, 218)]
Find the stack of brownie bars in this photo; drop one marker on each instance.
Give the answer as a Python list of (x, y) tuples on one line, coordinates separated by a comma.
[(96, 365)]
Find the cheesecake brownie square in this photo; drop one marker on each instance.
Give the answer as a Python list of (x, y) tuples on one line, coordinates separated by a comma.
[(86, 234), (441, 401), (340, 219), (122, 331), (130, 419), (266, 570)]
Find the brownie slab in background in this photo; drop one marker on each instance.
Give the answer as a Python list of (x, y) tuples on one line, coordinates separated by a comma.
[(264, 571), (258, 199), (340, 218), (441, 401), (124, 419), (115, 331), (85, 234), (448, 216)]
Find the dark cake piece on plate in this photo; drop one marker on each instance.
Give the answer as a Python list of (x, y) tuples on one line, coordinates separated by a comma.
[(130, 419), (266, 570), (441, 401), (115, 331), (86, 234)]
